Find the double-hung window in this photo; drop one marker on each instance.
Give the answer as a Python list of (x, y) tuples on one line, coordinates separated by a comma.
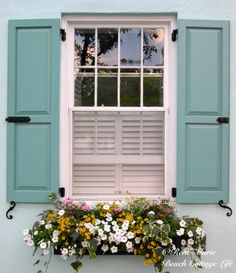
[(118, 99)]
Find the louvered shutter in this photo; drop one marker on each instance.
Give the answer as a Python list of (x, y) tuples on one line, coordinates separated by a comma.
[(33, 91), (203, 96), (116, 152)]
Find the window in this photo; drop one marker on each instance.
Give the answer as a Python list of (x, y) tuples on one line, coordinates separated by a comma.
[(118, 98)]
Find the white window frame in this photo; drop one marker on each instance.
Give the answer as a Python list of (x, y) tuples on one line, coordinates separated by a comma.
[(69, 22)]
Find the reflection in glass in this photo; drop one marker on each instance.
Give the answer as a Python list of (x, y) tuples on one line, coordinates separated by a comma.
[(84, 51), (153, 89), (107, 87), (153, 47), (84, 88), (107, 47), (130, 46), (130, 87)]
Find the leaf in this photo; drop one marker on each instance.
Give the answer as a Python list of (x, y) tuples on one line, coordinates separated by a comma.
[(76, 265), (37, 262), (40, 271)]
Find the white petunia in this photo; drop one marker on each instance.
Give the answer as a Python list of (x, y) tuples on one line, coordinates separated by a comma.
[(64, 251), (104, 237), (114, 223), (55, 233), (190, 234), (124, 239), (107, 228), (61, 212), (30, 243), (85, 244), (55, 239), (88, 225), (100, 232), (160, 222), (164, 243), (92, 230), (126, 222), (48, 226), (199, 230), (125, 227), (46, 251), (41, 222), (151, 213), (182, 223), (98, 222), (106, 207), (130, 235), (36, 232), (183, 242), (180, 232), (137, 240), (114, 249), (25, 232), (129, 245), (43, 245), (104, 248), (115, 228), (190, 241)]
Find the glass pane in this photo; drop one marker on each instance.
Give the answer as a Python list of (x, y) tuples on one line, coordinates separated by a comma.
[(130, 87), (84, 88), (84, 47), (153, 47), (130, 46), (107, 87), (153, 89), (107, 47)]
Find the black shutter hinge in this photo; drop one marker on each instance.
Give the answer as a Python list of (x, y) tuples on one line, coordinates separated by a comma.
[(174, 35), (62, 192), (173, 192), (63, 34), (222, 120)]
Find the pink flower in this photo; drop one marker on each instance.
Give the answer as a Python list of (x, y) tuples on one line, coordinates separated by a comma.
[(68, 202), (117, 209), (85, 207)]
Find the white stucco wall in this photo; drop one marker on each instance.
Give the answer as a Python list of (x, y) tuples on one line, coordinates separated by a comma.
[(15, 256)]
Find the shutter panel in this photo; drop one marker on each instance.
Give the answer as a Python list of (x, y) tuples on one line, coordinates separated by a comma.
[(203, 96), (33, 90), (115, 152)]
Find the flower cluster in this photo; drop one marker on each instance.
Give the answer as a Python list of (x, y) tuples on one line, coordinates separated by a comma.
[(138, 226)]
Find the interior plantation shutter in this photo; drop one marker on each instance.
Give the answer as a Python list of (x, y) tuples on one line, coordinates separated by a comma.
[(116, 152), (33, 95), (203, 111)]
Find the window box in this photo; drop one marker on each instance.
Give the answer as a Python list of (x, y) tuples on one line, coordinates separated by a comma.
[(138, 226)]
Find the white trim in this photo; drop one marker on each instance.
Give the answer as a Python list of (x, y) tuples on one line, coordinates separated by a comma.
[(95, 21)]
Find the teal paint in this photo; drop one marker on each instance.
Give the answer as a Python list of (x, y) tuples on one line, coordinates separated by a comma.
[(203, 95), (33, 156), (16, 257)]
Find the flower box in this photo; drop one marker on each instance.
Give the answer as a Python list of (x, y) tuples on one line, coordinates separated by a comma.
[(136, 227)]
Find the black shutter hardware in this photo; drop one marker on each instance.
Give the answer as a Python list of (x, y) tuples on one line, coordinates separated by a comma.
[(18, 119), (222, 120), (173, 192), (174, 35), (62, 192), (63, 34)]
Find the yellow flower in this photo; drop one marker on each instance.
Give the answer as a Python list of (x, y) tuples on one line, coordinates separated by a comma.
[(153, 243), (147, 261)]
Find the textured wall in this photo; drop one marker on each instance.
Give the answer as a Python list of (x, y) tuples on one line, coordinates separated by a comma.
[(15, 256)]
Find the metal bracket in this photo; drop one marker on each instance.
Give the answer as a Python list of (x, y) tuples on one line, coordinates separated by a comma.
[(20, 119), (174, 35), (173, 192), (13, 204), (222, 205), (62, 192), (222, 120), (63, 34)]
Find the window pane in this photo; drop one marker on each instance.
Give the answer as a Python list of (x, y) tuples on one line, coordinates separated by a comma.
[(84, 88), (107, 47), (153, 47), (107, 87), (130, 46), (153, 88), (84, 47), (130, 87)]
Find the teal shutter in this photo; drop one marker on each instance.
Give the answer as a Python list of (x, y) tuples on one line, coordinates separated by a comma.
[(202, 97), (33, 91)]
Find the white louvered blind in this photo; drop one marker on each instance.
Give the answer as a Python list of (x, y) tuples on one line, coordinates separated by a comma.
[(116, 152)]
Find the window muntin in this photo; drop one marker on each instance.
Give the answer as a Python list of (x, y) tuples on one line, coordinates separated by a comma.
[(125, 60)]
